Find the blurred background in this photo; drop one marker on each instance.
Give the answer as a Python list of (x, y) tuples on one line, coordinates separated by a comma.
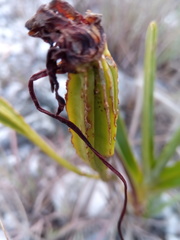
[(40, 200)]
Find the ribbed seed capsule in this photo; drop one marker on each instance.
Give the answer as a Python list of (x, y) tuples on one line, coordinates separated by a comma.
[(92, 104)]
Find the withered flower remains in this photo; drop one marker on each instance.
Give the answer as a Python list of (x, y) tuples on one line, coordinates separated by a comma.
[(74, 38)]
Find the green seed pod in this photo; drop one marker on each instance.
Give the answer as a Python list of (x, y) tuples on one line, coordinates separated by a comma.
[(92, 105)]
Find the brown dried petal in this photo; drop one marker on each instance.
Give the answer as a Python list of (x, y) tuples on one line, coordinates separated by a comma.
[(79, 39)]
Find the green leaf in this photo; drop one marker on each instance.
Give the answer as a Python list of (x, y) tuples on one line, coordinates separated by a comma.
[(124, 150), (166, 154), (168, 179), (10, 118), (148, 104)]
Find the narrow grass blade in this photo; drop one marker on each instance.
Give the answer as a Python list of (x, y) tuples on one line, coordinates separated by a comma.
[(169, 178), (166, 154), (124, 150), (10, 118), (148, 104)]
